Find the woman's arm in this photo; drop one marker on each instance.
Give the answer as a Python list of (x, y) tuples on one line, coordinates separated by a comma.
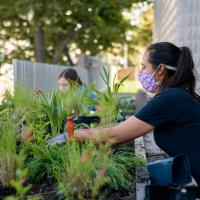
[(127, 130)]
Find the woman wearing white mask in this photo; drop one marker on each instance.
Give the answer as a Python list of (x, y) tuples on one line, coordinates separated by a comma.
[(67, 78), (173, 113)]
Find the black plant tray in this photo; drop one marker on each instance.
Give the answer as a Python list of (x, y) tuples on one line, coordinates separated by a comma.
[(87, 120)]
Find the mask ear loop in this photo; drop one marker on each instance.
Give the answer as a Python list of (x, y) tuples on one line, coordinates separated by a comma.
[(170, 67), (167, 67)]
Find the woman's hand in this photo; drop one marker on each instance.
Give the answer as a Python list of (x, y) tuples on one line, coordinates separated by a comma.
[(125, 131), (96, 134)]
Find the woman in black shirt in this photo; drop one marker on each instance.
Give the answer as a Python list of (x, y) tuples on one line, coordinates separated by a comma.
[(173, 113)]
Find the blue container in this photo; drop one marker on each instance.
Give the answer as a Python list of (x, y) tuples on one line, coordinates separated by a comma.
[(174, 171)]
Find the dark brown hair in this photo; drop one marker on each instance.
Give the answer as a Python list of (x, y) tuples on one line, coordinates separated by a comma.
[(71, 76), (181, 58)]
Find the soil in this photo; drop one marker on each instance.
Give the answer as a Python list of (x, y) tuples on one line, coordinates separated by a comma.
[(37, 189), (5, 192), (48, 192), (121, 195)]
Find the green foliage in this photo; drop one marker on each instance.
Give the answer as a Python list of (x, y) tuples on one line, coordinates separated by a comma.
[(10, 160), (108, 101), (142, 34), (58, 105), (27, 107), (120, 171), (53, 26), (46, 163), (84, 170), (80, 169), (23, 100), (77, 101), (53, 107), (18, 185), (7, 102), (89, 168)]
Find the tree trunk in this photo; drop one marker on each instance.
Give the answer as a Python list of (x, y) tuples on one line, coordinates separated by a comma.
[(69, 57), (40, 53)]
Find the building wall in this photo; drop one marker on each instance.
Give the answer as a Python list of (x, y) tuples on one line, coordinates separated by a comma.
[(178, 21)]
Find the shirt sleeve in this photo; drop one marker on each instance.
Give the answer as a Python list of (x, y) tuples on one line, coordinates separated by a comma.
[(160, 110)]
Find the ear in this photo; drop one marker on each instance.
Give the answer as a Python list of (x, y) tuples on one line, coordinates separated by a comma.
[(161, 69)]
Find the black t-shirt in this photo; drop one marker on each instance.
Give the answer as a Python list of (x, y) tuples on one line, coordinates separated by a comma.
[(175, 115)]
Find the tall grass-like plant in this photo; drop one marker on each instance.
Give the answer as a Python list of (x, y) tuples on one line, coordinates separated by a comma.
[(25, 103), (43, 160), (58, 105), (121, 167), (10, 160), (108, 101), (26, 107), (84, 170), (90, 168), (76, 100), (53, 107), (45, 164)]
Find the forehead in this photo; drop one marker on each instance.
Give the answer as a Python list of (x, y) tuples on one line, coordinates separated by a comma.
[(62, 81)]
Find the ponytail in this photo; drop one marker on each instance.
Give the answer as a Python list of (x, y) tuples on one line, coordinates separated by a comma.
[(184, 69), (184, 75)]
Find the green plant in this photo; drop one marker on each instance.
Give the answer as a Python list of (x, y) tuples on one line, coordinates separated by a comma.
[(90, 168), (120, 170), (7, 102), (53, 107), (10, 159), (18, 185), (77, 100), (45, 164), (82, 170), (26, 108), (85, 166), (108, 101), (24, 102)]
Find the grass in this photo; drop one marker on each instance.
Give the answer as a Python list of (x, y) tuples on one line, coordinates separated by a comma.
[(10, 159), (108, 101), (84, 170), (76, 100), (53, 107)]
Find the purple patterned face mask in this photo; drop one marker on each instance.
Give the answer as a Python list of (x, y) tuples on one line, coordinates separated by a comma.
[(147, 81)]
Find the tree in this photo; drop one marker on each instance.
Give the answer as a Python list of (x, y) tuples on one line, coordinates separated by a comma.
[(138, 36), (45, 30), (141, 34)]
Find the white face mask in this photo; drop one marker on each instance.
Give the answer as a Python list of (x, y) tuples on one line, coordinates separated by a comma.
[(63, 88), (63, 84)]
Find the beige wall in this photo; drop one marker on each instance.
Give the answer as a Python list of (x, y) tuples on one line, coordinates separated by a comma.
[(178, 21)]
